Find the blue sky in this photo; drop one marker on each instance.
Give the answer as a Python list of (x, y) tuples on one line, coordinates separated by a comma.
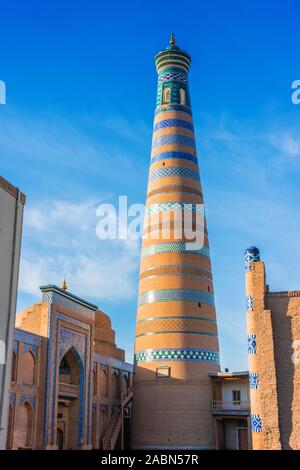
[(76, 131)]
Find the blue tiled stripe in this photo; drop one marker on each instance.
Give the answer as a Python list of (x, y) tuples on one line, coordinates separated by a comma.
[(174, 155), (173, 139), (176, 354), (165, 123), (176, 295), (175, 206), (174, 171), (174, 247)]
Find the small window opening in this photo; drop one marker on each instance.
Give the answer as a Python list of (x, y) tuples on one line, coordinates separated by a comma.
[(166, 95), (182, 96)]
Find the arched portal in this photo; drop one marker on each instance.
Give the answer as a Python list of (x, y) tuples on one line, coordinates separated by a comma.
[(70, 401)]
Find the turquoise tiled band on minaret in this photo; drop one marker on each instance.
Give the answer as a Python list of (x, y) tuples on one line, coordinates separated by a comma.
[(175, 247), (174, 155), (177, 354), (176, 295), (166, 123)]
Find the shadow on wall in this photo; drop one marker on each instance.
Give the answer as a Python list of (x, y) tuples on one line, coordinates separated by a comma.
[(285, 369), (173, 403)]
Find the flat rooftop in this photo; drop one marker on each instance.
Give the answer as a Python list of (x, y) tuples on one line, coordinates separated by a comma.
[(222, 374), (12, 190)]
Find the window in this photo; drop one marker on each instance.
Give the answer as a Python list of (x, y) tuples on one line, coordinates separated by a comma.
[(163, 371), (182, 96), (199, 304), (236, 397), (166, 95)]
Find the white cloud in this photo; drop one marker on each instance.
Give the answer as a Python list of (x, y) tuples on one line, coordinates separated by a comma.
[(60, 241), (287, 143)]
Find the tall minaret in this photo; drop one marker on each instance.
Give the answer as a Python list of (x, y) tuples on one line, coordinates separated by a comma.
[(263, 373), (176, 333)]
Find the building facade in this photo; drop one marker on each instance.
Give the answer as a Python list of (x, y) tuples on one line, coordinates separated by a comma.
[(230, 408), (11, 220), (176, 342), (67, 374), (273, 321)]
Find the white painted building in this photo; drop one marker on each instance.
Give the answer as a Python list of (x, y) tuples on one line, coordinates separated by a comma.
[(231, 409), (11, 217)]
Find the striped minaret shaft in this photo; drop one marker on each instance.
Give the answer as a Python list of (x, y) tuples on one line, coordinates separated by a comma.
[(176, 334)]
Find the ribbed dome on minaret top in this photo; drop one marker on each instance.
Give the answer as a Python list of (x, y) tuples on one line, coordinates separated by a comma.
[(172, 56)]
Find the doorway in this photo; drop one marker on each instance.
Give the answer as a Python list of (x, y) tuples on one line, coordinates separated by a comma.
[(242, 438), (60, 439)]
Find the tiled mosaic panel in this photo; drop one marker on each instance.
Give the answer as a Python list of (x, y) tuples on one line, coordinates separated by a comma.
[(68, 304), (171, 155), (69, 339), (29, 399), (174, 247), (176, 270), (176, 325), (26, 337), (256, 423), (252, 344), (25, 389), (176, 295), (29, 347), (170, 76), (249, 302), (174, 171), (177, 355), (51, 405), (175, 206), (172, 107), (73, 321), (173, 139), (251, 254), (166, 123), (253, 380)]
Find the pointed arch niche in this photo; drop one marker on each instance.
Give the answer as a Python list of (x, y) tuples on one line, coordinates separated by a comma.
[(70, 409)]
